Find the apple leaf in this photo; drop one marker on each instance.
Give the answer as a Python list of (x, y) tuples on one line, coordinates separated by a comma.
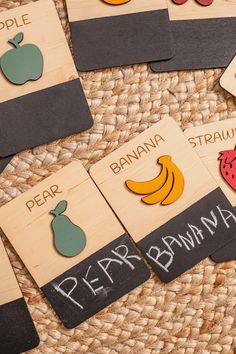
[(19, 37)]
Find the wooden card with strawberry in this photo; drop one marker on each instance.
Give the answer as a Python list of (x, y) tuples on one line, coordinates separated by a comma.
[(215, 143), (166, 199), (41, 98), (204, 34)]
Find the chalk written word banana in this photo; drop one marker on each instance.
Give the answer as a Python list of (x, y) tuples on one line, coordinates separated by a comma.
[(165, 189)]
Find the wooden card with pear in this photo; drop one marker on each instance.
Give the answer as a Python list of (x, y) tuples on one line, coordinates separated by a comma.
[(72, 244), (41, 98), (215, 144), (17, 331), (166, 199)]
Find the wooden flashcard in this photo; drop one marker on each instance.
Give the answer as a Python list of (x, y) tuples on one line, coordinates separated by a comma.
[(17, 331), (228, 79), (41, 98), (204, 36), (73, 245), (108, 33), (166, 199), (215, 143)]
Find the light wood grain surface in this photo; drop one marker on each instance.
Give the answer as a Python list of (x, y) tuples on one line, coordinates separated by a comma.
[(228, 79), (192, 10), (88, 9), (30, 231), (43, 29), (217, 133), (9, 289), (141, 219)]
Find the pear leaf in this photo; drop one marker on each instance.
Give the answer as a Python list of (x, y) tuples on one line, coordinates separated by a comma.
[(60, 208), (19, 37)]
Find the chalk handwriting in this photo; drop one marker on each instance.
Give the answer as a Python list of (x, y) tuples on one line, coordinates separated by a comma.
[(97, 277), (194, 236)]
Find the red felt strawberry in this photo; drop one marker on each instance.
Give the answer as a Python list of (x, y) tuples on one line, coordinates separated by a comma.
[(201, 2), (228, 167)]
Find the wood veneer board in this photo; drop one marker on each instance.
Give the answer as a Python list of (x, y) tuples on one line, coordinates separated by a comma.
[(53, 105), (228, 79), (105, 35), (208, 141), (107, 268), (176, 236), (17, 331), (204, 36)]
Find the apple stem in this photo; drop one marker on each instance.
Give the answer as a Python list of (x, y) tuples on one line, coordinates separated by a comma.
[(14, 43)]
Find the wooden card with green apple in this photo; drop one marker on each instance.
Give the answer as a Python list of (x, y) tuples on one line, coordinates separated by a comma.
[(215, 143), (73, 245), (166, 199), (41, 98), (17, 331)]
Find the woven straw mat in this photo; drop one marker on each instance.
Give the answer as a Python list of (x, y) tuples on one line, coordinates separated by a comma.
[(196, 312)]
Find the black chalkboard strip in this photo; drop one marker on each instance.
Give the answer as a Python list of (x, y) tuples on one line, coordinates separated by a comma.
[(96, 282), (191, 236), (121, 40), (4, 161), (17, 331), (226, 253), (43, 116), (201, 44)]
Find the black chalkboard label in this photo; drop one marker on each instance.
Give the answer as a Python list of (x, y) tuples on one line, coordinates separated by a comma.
[(226, 253), (43, 116), (201, 44), (121, 40), (191, 236), (97, 281), (3, 162), (17, 331)]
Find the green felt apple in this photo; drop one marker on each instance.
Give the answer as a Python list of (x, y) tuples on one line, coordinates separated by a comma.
[(22, 64)]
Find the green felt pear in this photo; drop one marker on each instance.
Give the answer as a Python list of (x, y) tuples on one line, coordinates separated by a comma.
[(22, 63), (69, 239)]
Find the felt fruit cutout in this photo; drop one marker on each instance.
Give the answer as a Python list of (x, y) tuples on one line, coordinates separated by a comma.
[(228, 167), (200, 2), (165, 189), (116, 2), (23, 63), (69, 239)]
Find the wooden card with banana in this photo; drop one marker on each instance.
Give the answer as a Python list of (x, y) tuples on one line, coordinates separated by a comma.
[(215, 143), (166, 199), (17, 331), (73, 245), (108, 33)]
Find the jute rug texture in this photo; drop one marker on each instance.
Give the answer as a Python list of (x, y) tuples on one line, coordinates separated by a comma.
[(193, 314)]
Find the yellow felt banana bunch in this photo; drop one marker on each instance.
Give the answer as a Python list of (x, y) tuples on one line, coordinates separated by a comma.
[(166, 188), (116, 2)]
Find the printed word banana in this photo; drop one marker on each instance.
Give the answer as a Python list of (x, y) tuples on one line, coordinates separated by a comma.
[(116, 2), (166, 188)]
